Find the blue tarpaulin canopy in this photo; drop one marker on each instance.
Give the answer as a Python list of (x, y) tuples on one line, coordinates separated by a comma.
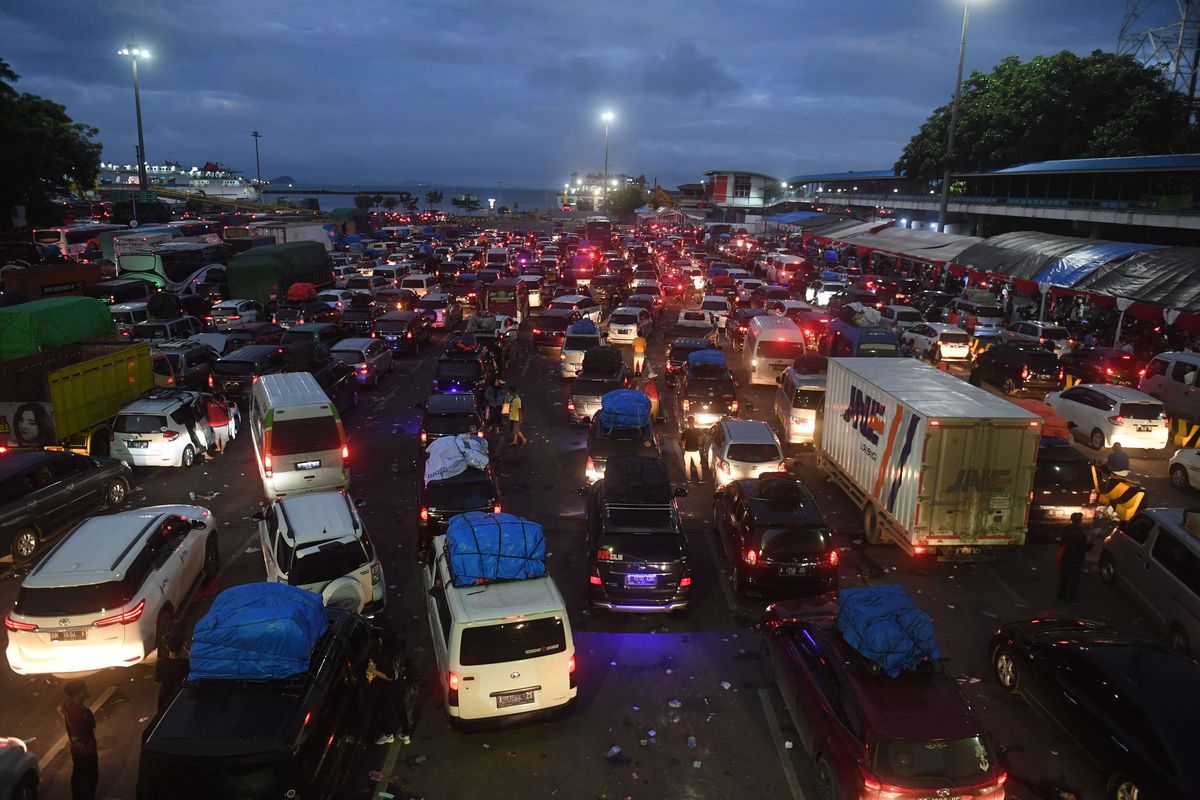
[(884, 625), (624, 408), (1073, 267), (257, 632), (494, 547)]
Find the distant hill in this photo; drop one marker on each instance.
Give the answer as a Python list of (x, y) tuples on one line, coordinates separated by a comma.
[(283, 180)]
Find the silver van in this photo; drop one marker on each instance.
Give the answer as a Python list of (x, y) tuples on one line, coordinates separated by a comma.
[(1155, 558), (1171, 377), (298, 436), (799, 403)]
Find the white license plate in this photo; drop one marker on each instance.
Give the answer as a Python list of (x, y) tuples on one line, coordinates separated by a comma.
[(308, 465), (514, 699), (137, 443), (1145, 428), (68, 636)]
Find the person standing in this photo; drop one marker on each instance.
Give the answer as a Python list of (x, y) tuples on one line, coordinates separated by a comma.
[(171, 669), (389, 673), (81, 736), (639, 354), (495, 397), (1072, 549), (217, 411), (515, 415), (651, 390), (690, 444)]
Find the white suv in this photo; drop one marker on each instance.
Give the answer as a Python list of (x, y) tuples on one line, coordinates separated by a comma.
[(743, 448), (317, 541), (1104, 414), (110, 590)]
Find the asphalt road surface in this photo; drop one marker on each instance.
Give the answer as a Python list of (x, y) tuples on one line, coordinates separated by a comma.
[(631, 667)]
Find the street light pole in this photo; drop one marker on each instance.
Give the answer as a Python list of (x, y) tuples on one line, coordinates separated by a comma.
[(257, 166), (962, 52), (133, 52), (607, 116)]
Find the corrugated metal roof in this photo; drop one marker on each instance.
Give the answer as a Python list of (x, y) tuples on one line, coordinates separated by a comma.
[(791, 217), (866, 174), (1178, 161)]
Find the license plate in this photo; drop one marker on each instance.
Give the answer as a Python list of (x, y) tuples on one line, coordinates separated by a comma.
[(1057, 512), (1144, 428), (514, 699), (793, 570), (308, 464), (136, 443), (68, 636), (641, 580)]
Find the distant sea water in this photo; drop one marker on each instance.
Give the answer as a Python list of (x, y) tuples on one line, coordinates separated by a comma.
[(342, 195)]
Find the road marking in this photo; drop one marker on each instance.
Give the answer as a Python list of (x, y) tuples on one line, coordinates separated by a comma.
[(55, 748), (1012, 593), (785, 760)]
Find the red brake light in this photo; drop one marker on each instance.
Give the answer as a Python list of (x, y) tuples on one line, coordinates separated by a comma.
[(1108, 371), (750, 556), (834, 558), (685, 581), (452, 682), (424, 514), (210, 381), (345, 451), (170, 436), (232, 316), (424, 437), (1117, 420), (1024, 372), (1093, 497), (123, 617), (267, 466), (16, 625), (496, 508), (1141, 373), (571, 664)]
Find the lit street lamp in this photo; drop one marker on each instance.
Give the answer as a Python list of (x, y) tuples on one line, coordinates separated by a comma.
[(962, 52), (257, 166), (607, 116), (133, 53)]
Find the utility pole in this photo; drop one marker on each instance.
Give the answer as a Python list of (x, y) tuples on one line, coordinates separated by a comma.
[(257, 167), (962, 52)]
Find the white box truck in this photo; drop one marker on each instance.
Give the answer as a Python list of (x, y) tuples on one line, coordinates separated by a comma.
[(937, 466)]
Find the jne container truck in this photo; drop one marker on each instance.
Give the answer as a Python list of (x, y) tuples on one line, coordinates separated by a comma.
[(937, 466)]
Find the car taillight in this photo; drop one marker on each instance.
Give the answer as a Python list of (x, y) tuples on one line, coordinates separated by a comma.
[(834, 558), (124, 617), (723, 465), (570, 405), (536, 331), (234, 316), (17, 625), (424, 437), (685, 581), (210, 381), (208, 318), (1061, 375), (424, 514), (452, 681), (1093, 497), (750, 556), (1109, 371), (267, 470), (170, 436), (362, 370), (300, 321), (496, 509), (733, 407), (1117, 420)]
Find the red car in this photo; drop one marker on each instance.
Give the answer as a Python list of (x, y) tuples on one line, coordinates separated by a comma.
[(873, 737)]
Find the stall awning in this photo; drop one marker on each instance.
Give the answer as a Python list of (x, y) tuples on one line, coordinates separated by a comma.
[(1077, 265), (915, 244), (1021, 254), (1167, 277)]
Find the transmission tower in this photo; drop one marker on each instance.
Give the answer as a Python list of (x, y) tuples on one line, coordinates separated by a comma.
[(1164, 34)]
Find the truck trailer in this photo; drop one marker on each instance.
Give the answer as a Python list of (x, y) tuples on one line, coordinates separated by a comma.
[(265, 273), (936, 466)]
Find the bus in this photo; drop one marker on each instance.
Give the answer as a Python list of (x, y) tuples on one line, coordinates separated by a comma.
[(128, 236), (200, 230), (598, 231), (72, 240), (178, 266)]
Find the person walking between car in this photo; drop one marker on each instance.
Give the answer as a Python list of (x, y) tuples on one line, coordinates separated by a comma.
[(81, 737), (651, 391), (387, 674), (495, 396), (690, 444), (515, 410), (1072, 549), (639, 354), (217, 411)]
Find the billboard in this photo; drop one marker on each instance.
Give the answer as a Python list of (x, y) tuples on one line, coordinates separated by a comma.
[(26, 424)]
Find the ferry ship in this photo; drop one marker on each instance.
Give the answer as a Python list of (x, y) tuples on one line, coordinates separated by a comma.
[(210, 180)]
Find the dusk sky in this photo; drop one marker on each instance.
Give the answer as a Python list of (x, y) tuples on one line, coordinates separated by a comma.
[(457, 92)]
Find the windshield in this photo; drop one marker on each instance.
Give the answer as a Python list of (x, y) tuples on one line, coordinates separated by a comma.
[(513, 641), (581, 343), (356, 315), (753, 453), (70, 600), (1142, 411), (940, 760), (720, 389), (988, 312), (908, 316), (431, 305), (1055, 334), (225, 367), (327, 561), (876, 350), (293, 436), (359, 282), (593, 387), (954, 337), (553, 324), (779, 350), (351, 357), (813, 399), (714, 305), (150, 330), (460, 494), (794, 541), (1064, 474), (139, 423), (641, 519)]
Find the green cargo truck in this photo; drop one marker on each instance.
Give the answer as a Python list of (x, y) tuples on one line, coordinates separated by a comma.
[(29, 328), (265, 273), (67, 397)]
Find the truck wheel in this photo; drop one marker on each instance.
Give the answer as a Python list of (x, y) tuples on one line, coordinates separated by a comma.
[(1108, 569), (871, 525), (24, 544)]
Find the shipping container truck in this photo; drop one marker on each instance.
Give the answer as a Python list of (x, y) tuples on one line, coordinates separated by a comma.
[(265, 273), (33, 327), (285, 232), (49, 280), (937, 466), (67, 397)]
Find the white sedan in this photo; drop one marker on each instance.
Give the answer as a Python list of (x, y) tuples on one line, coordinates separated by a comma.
[(938, 341), (1184, 468)]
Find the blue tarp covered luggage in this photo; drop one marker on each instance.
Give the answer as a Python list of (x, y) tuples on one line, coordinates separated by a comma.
[(257, 632), (494, 547), (706, 358), (584, 327), (884, 625), (624, 408)]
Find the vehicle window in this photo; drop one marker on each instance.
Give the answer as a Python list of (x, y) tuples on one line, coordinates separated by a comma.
[(139, 423), (1181, 372), (327, 561), (753, 453), (1142, 411), (1063, 474), (66, 466), (1097, 400), (1074, 395), (623, 319), (1138, 528), (41, 476), (195, 357), (514, 641), (1156, 367), (292, 436), (953, 337), (645, 520), (794, 541), (458, 370), (943, 759), (812, 399), (779, 350), (1177, 559), (69, 600), (580, 343)]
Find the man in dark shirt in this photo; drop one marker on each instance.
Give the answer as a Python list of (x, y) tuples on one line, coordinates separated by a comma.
[(1118, 461), (690, 444), (81, 735), (1073, 548)]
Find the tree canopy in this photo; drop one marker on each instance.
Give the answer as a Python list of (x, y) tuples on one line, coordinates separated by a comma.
[(627, 199), (45, 152), (1052, 107)]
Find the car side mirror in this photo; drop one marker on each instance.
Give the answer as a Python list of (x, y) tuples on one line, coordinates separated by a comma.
[(258, 516)]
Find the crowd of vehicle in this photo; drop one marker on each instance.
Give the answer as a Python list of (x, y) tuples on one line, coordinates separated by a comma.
[(720, 316)]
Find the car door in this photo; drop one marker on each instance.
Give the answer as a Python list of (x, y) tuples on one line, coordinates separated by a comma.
[(1170, 581), (167, 567), (1094, 411), (49, 501), (85, 487), (1067, 404)]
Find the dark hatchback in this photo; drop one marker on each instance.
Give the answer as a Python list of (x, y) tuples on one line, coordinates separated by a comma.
[(550, 329), (636, 551), (1064, 483), (404, 331), (466, 290), (1101, 365), (911, 737), (44, 493), (775, 537), (1130, 705), (254, 333), (236, 372), (449, 415), (289, 315), (1017, 367)]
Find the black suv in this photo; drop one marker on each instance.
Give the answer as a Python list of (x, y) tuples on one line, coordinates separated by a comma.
[(43, 493), (775, 537), (470, 490), (404, 331), (1017, 367), (465, 366), (706, 392), (605, 442), (266, 738), (359, 318), (288, 315), (637, 553), (677, 354), (1064, 482), (236, 372), (449, 415)]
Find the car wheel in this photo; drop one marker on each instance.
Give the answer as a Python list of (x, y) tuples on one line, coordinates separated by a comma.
[(1126, 789), (1179, 639), (1179, 477), (1096, 440), (1108, 568), (1004, 664), (162, 627), (26, 789), (189, 456), (1009, 386), (118, 490), (212, 558), (24, 544), (826, 783)]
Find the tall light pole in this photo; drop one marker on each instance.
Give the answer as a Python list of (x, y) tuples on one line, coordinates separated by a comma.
[(257, 166), (607, 116), (962, 52), (133, 53)]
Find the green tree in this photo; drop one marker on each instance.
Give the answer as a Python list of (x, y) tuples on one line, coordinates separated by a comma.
[(45, 152), (376, 200), (467, 202), (390, 202), (1059, 106), (623, 201), (432, 198), (408, 201), (362, 201)]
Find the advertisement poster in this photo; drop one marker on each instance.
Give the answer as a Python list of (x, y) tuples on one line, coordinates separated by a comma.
[(26, 424)]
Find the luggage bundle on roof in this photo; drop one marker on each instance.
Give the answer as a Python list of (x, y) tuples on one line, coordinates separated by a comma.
[(637, 480), (448, 456), (624, 408), (583, 327), (301, 292), (485, 548), (885, 626), (601, 361)]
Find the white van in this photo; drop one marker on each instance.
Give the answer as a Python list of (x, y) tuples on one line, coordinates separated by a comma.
[(782, 268), (799, 404), (298, 436), (503, 648), (419, 283), (497, 258), (772, 345)]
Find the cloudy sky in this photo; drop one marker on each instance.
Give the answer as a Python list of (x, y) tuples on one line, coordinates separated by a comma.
[(475, 91)]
